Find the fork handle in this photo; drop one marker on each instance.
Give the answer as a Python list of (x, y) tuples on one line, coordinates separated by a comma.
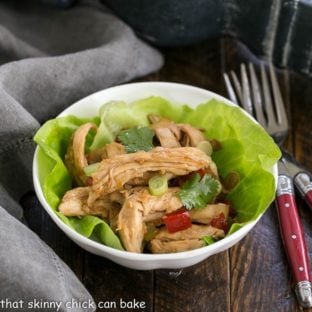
[(303, 183), (291, 230)]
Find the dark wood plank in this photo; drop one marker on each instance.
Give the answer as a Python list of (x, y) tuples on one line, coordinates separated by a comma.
[(260, 277), (203, 287), (32, 211), (301, 100), (118, 287), (198, 65)]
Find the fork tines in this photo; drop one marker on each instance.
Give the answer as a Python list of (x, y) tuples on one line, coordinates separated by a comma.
[(263, 101)]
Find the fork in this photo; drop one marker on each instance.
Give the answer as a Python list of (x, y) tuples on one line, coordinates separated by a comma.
[(264, 102), (271, 114)]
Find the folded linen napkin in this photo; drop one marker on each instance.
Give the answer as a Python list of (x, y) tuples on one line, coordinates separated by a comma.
[(50, 58)]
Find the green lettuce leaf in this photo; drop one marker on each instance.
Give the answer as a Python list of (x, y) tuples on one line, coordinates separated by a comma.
[(118, 115), (53, 138), (208, 240), (246, 149)]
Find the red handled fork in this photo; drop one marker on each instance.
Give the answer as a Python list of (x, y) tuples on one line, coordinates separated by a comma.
[(264, 102)]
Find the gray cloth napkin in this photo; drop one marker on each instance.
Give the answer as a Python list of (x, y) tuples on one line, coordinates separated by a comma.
[(50, 58)]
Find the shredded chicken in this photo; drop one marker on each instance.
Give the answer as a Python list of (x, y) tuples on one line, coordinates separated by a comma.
[(155, 207), (130, 225), (165, 203), (139, 207), (97, 155), (143, 181), (205, 215), (74, 203), (171, 134), (190, 238), (114, 173), (194, 232), (166, 137), (118, 191), (75, 159), (191, 136), (159, 246), (113, 149), (110, 150), (167, 132)]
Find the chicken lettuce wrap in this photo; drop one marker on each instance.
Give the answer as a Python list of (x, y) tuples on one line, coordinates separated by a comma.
[(155, 176)]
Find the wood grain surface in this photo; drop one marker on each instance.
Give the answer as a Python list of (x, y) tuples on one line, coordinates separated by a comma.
[(251, 276)]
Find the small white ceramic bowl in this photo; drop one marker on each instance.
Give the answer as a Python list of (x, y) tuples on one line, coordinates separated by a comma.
[(88, 107)]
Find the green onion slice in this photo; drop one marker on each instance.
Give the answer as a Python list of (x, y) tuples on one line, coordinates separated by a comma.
[(158, 185), (206, 147), (88, 170)]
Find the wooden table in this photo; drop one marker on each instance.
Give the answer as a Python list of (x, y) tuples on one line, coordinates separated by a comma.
[(251, 276)]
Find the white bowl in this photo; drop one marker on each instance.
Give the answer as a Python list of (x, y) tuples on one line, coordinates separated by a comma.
[(88, 107)]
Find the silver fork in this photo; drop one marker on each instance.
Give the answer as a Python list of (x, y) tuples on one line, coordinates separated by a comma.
[(264, 102), (266, 105), (259, 104)]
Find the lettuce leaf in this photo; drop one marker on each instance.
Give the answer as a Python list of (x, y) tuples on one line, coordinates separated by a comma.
[(53, 138), (246, 149), (118, 115)]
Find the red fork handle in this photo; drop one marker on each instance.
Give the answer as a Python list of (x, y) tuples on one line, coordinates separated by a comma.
[(291, 230), (303, 183)]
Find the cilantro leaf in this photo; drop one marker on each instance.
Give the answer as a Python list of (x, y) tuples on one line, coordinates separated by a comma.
[(197, 192), (137, 139)]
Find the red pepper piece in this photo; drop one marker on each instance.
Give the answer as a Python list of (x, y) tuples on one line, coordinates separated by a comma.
[(177, 221), (202, 172), (232, 212), (220, 222)]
